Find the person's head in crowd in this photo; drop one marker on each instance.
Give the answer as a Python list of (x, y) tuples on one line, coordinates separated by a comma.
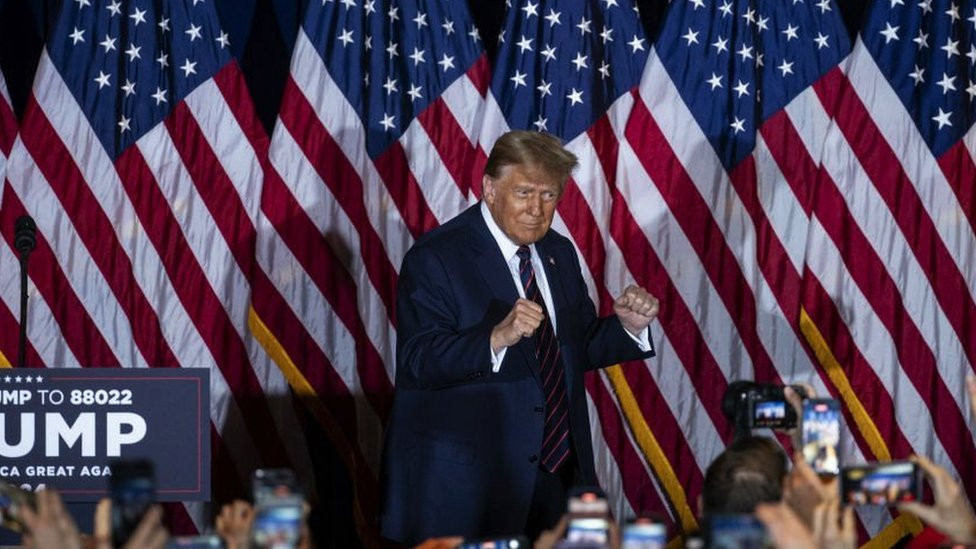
[(750, 471)]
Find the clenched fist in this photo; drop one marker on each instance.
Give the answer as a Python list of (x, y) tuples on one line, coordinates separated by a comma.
[(636, 308), (521, 322)]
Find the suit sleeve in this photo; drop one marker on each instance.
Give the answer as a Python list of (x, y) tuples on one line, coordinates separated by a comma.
[(433, 350)]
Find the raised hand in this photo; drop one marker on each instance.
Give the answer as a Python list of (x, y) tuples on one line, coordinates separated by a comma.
[(636, 308), (520, 322)]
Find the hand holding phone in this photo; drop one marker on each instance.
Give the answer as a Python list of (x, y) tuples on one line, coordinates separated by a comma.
[(133, 490), (279, 509), (589, 518), (12, 500)]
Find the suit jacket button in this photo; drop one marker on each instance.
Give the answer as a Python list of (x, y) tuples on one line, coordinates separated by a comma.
[(533, 458), (538, 409)]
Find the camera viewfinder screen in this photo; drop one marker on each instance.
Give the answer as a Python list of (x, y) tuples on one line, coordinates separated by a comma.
[(769, 413)]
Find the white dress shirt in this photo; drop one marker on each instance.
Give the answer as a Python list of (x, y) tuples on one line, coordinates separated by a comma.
[(509, 251)]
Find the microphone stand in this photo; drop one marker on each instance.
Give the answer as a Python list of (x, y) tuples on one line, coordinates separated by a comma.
[(25, 239)]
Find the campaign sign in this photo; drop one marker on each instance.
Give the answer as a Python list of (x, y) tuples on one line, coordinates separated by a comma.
[(63, 427)]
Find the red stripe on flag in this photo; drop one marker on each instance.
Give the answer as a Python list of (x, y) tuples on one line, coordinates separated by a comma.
[(395, 172), (342, 180), (868, 388), (200, 302), (230, 82), (638, 485), (916, 358), (703, 233), (791, 156), (8, 128), (321, 264), (582, 226), (959, 170), (456, 152), (883, 167), (96, 231), (9, 326), (480, 74)]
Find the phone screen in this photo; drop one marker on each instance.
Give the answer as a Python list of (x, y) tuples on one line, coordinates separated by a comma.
[(133, 489), (589, 517), (12, 500), (821, 434), (643, 533), (769, 413), (735, 531), (278, 509), (881, 483), (210, 541), (497, 543)]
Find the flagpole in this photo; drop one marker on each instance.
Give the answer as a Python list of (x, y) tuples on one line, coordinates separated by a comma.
[(25, 239)]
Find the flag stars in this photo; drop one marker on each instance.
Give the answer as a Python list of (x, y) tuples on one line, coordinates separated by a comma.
[(223, 39), (387, 122), (138, 16), (474, 34), (114, 8), (574, 97), (720, 45), (745, 52), (690, 37), (540, 124), (790, 32), (549, 53), (715, 81), (163, 60), (391, 50), (741, 88), (584, 26), (133, 52), (553, 17), (81, 4), (580, 62), (414, 92), (824, 6), (518, 79), (890, 33), (762, 23), (393, 13), (821, 41), (163, 24), (971, 90), (942, 118), (159, 96), (947, 83), (446, 62), (77, 36), (897, 2), (448, 26), (918, 75), (347, 3), (726, 8), (972, 53), (543, 88), (124, 124), (193, 32), (604, 70), (102, 79), (951, 48), (972, 19), (129, 88), (926, 6), (738, 125), (922, 40), (606, 35), (636, 44), (188, 68), (108, 43), (953, 12), (785, 67), (420, 20), (698, 3), (418, 56), (390, 85), (530, 9), (525, 44), (750, 16)]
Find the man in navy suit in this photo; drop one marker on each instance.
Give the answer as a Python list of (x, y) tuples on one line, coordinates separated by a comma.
[(489, 426)]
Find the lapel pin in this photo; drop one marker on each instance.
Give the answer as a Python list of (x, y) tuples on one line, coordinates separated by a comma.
[(552, 261)]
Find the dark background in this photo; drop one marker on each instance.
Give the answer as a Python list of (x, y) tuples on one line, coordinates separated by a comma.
[(261, 36)]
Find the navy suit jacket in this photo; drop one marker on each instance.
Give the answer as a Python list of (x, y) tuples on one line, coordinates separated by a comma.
[(462, 445)]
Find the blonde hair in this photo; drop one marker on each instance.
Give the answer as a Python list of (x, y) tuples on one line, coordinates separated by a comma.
[(531, 149)]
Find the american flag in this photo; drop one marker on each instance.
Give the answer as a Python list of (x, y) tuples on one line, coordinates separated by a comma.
[(9, 285), (375, 144), (720, 156), (890, 269), (138, 157)]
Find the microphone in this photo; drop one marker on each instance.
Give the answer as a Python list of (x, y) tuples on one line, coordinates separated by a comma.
[(25, 234)]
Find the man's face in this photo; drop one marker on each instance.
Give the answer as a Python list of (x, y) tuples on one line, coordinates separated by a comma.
[(522, 202)]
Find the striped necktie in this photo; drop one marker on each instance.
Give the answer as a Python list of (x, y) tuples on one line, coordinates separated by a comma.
[(555, 435)]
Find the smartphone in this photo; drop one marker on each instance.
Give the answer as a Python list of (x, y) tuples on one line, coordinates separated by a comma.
[(210, 541), (735, 531), (589, 517), (888, 483), (517, 542), (12, 499), (278, 509), (821, 435), (133, 491), (644, 533)]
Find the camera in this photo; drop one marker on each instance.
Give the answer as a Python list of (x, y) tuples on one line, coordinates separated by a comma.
[(750, 405)]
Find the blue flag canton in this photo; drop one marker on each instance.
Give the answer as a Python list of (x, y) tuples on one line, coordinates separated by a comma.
[(925, 50), (562, 63), (129, 63), (736, 63), (392, 59)]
